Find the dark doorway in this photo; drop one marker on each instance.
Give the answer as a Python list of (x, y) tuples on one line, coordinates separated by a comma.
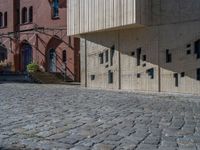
[(26, 55), (52, 60)]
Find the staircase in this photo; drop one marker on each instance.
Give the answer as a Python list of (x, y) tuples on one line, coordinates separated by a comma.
[(15, 77), (50, 78)]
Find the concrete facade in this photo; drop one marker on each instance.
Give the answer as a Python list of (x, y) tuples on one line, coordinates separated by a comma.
[(42, 32), (99, 15), (160, 55)]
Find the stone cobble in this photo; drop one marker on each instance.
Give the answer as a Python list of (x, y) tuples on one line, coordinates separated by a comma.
[(73, 118)]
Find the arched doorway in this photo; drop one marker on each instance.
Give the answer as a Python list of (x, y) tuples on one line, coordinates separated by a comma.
[(3, 53), (53, 55), (52, 60), (27, 57)]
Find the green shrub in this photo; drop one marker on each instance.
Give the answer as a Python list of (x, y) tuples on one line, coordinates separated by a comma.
[(33, 67)]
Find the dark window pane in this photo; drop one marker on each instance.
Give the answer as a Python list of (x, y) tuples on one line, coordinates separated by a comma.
[(112, 52), (189, 45), (198, 74), (92, 77), (144, 57), (110, 77), (197, 48), (18, 17), (133, 54), (24, 15), (138, 75), (151, 73), (55, 8), (5, 19), (176, 79), (31, 14), (101, 58), (182, 74), (1, 19), (188, 52), (168, 56), (139, 50), (107, 55)]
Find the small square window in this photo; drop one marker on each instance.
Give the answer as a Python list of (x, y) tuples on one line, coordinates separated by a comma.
[(189, 45), (138, 75), (92, 77), (133, 54), (188, 52), (144, 57), (144, 65), (182, 74)]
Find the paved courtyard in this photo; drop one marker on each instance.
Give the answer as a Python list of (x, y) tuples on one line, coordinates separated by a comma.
[(61, 117)]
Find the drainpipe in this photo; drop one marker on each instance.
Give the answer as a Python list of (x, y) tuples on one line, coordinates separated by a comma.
[(119, 51), (85, 62), (159, 68)]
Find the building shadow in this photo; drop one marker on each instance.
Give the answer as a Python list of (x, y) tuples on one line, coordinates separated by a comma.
[(172, 54)]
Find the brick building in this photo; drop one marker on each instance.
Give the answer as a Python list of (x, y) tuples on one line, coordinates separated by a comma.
[(36, 31), (146, 45)]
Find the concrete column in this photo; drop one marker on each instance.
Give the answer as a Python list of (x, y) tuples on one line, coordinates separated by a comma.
[(119, 59)]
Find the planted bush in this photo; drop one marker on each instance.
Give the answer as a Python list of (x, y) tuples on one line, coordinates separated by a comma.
[(33, 67)]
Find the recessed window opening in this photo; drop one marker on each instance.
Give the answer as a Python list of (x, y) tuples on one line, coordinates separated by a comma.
[(197, 48), (112, 52), (139, 50), (176, 79), (151, 73), (168, 56), (110, 77), (101, 58)]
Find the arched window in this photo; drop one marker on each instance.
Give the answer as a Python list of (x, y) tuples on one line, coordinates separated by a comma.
[(18, 16), (55, 9), (5, 19), (31, 14), (1, 19), (64, 56), (24, 15)]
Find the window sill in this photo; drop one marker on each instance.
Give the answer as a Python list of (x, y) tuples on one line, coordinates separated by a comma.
[(26, 23), (3, 27), (55, 18)]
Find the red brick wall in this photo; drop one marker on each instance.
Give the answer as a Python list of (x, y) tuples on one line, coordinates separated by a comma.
[(41, 41)]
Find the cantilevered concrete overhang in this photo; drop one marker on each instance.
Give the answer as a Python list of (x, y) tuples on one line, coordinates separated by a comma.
[(87, 16)]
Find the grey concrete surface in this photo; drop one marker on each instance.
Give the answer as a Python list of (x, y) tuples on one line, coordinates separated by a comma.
[(65, 117)]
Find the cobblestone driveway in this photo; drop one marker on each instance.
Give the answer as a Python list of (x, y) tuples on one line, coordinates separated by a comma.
[(61, 117)]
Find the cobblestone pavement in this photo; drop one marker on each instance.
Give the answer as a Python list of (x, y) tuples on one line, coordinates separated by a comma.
[(63, 117)]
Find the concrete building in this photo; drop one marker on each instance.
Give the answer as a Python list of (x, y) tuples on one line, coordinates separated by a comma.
[(145, 45), (36, 31)]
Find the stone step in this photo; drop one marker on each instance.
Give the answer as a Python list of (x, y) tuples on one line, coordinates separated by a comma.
[(47, 78)]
